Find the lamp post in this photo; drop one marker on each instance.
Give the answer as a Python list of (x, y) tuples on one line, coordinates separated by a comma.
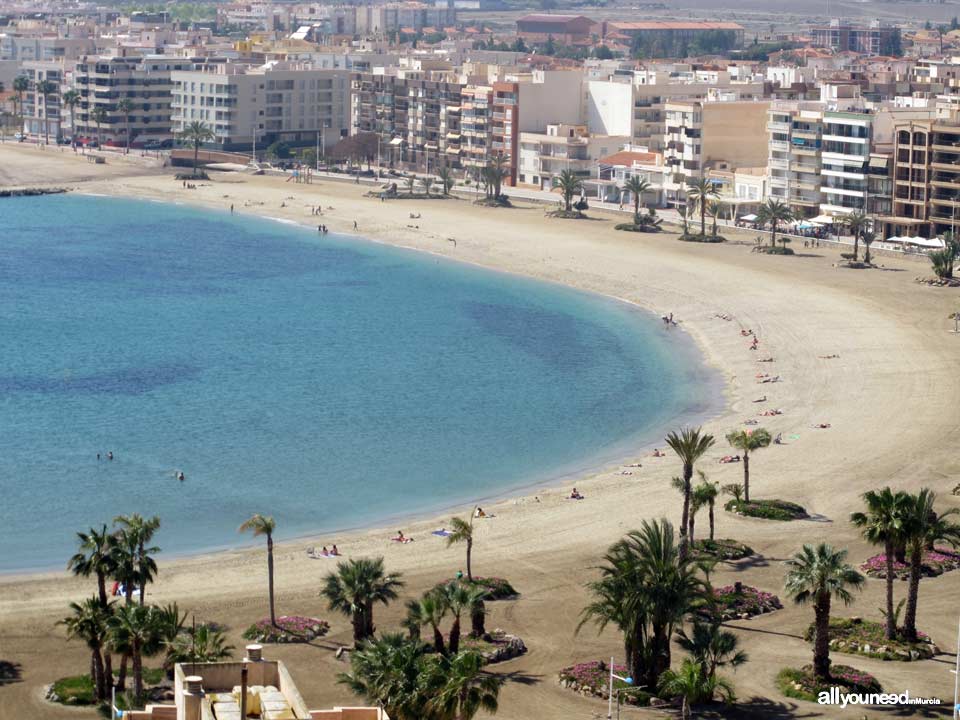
[(614, 676), (956, 679)]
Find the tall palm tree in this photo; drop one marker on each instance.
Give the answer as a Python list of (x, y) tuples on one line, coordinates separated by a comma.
[(431, 609), (125, 106), (690, 445), (264, 525), (354, 589), (494, 173), (462, 688), (924, 527), (684, 212), (46, 88), (70, 100), (772, 213), (636, 186), (462, 531), (701, 190), (134, 631), (715, 209), (99, 116), (819, 574), (858, 223), (88, 622), (706, 493), (196, 134), (390, 672), (570, 184), (459, 598), (427, 184), (884, 523), (446, 179), (693, 687), (94, 556), (746, 441), (20, 85), (140, 531)]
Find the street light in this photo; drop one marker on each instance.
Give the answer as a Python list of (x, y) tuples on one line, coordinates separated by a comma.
[(614, 676), (956, 679)]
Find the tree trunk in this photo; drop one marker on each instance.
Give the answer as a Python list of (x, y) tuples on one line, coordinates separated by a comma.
[(856, 245), (99, 678), (273, 614), (890, 630), (711, 520), (137, 671), (102, 589), (369, 628), (685, 516), (693, 518), (469, 554), (359, 627), (439, 645), (478, 620), (900, 552), (107, 669), (122, 675), (913, 592), (746, 476), (773, 235), (821, 640), (455, 635), (703, 217), (143, 575), (196, 153)]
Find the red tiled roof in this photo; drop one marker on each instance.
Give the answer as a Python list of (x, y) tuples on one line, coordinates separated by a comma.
[(551, 18), (629, 157), (672, 25)]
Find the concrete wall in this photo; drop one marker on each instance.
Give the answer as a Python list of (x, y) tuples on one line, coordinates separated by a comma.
[(609, 107), (554, 100), (735, 133)]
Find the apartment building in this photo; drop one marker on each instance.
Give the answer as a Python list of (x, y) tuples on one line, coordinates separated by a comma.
[(545, 155), (42, 114), (252, 106), (699, 136), (490, 127), (28, 46), (104, 81), (669, 32), (877, 38), (926, 178)]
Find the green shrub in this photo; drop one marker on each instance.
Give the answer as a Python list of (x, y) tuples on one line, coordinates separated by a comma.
[(725, 549), (767, 509), (778, 250), (803, 685), (497, 588), (697, 237), (864, 637)]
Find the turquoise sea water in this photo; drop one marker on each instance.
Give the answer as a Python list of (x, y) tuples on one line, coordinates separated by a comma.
[(330, 382)]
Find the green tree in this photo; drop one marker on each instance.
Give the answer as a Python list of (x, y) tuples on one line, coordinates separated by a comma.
[(99, 116), (747, 441), (264, 525), (702, 190), (707, 493), (355, 587), (868, 239), (714, 209), (95, 557), (139, 531), (88, 622), (431, 609), (819, 574), (196, 134), (125, 106), (690, 444), (446, 179), (693, 687), (711, 647), (389, 672), (134, 631), (570, 184), (462, 531), (46, 88), (857, 223), (205, 644), (493, 175), (636, 186), (923, 527), (883, 523), (427, 184), (460, 687), (70, 100), (774, 212), (459, 598), (20, 85)]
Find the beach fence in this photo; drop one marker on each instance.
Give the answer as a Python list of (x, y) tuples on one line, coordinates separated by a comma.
[(183, 157)]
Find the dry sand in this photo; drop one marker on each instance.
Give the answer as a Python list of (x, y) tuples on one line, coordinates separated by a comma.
[(891, 400)]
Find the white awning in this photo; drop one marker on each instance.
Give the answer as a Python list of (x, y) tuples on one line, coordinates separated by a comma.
[(396, 141), (749, 218), (823, 220), (918, 241)]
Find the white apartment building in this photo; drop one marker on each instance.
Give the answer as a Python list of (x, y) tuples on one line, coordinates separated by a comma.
[(25, 47), (545, 155), (247, 105), (105, 81), (42, 114)]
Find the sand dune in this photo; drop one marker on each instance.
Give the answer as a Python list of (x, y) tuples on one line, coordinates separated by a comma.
[(890, 398)]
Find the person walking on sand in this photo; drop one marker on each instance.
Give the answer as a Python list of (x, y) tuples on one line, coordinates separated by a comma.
[(354, 224), (231, 208)]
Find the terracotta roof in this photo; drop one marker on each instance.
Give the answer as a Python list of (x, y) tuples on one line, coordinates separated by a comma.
[(629, 157), (671, 25), (551, 18)]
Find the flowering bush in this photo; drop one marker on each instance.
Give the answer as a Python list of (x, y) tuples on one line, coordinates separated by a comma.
[(289, 629), (803, 684), (593, 678), (725, 549), (864, 637), (497, 588), (733, 601), (767, 509), (935, 562)]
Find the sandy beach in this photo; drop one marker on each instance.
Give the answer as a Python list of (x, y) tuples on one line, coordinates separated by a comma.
[(890, 399)]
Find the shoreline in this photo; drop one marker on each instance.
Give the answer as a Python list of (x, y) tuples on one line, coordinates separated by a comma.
[(890, 397), (708, 376)]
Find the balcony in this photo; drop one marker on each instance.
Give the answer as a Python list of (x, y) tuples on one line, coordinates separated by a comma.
[(781, 127), (779, 145), (778, 163)]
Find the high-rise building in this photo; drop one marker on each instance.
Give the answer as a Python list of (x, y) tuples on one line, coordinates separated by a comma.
[(877, 38)]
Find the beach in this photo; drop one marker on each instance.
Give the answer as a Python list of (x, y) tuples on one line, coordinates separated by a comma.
[(889, 398)]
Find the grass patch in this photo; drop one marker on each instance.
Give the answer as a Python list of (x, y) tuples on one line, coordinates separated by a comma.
[(768, 250), (76, 690), (767, 509), (641, 228), (592, 678), (864, 637), (502, 201), (723, 549), (567, 214), (802, 685), (289, 629), (697, 237)]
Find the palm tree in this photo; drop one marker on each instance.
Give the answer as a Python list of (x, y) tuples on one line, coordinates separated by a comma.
[(883, 524), (94, 557), (773, 212), (430, 610), (99, 116), (389, 672), (715, 209), (88, 622), (20, 85), (462, 688), (70, 100), (493, 175), (446, 179), (204, 644), (411, 183), (924, 527), (462, 531), (134, 631), (868, 238), (125, 106), (690, 445), (264, 525), (691, 685), (746, 441), (684, 212), (702, 190), (427, 184), (636, 186), (570, 184), (459, 598), (140, 530), (819, 574), (706, 493), (354, 589), (858, 223), (711, 647), (46, 88), (196, 134)]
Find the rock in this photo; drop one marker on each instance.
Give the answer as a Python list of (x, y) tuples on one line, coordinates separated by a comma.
[(865, 648), (744, 616), (914, 655)]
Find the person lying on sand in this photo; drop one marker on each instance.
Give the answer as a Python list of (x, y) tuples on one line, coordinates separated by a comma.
[(574, 495), (479, 513), (770, 413), (766, 359), (730, 459), (657, 452), (751, 421), (761, 399), (775, 378), (828, 357), (401, 538), (821, 426), (746, 333)]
